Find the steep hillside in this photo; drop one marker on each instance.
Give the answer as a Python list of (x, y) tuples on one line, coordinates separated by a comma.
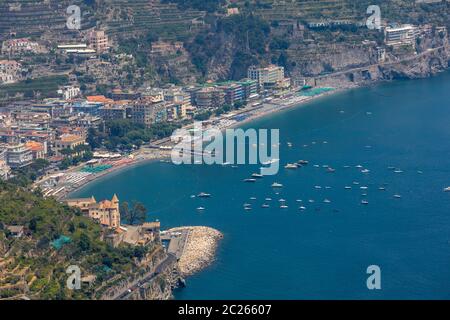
[(56, 237)]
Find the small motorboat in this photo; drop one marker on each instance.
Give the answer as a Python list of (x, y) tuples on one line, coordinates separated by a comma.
[(326, 201), (277, 185), (331, 170), (265, 205), (365, 171), (200, 209), (317, 187), (302, 208), (303, 162), (365, 202), (252, 198), (283, 206), (250, 180), (257, 175), (204, 195), (447, 189), (268, 199), (348, 188), (382, 188), (397, 196), (291, 166)]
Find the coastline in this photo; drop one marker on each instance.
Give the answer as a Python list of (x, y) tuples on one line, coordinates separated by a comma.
[(146, 155), (199, 249)]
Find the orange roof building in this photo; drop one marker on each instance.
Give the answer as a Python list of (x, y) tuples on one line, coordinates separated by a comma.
[(99, 99)]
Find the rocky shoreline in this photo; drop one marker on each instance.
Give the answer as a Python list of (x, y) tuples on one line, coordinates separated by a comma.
[(199, 249)]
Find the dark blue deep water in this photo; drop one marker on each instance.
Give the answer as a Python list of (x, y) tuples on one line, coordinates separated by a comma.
[(324, 251)]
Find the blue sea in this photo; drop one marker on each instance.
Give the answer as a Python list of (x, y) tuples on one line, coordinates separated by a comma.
[(322, 252)]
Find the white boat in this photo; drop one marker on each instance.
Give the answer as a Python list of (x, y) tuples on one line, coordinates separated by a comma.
[(303, 162), (326, 201), (291, 166), (200, 208), (302, 208), (382, 188), (277, 185), (193, 196), (257, 175), (364, 188), (247, 205), (270, 161), (299, 200), (398, 171), (282, 200), (247, 208), (250, 180), (268, 199), (204, 195), (348, 187), (364, 202), (397, 196), (317, 187), (289, 144), (284, 206), (447, 189), (265, 205), (252, 198), (365, 171), (311, 201), (331, 170)]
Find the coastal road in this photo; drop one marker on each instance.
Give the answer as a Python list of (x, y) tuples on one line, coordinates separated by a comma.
[(135, 285)]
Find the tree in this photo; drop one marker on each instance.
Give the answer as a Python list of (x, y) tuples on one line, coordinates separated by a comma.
[(84, 243), (136, 215)]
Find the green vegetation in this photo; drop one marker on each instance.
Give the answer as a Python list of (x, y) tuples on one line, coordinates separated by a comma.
[(125, 135), (75, 156), (204, 5), (33, 258), (136, 214), (41, 87)]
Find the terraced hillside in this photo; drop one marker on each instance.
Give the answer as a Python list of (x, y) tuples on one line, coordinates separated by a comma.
[(37, 17)]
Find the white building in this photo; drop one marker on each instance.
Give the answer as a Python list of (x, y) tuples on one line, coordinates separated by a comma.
[(18, 156), (401, 35), (268, 76), (69, 92), (4, 168), (9, 71), (22, 45)]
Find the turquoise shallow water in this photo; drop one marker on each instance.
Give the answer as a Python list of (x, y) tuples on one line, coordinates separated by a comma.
[(323, 252)]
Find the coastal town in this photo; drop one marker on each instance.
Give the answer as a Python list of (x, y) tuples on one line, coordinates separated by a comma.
[(78, 105)]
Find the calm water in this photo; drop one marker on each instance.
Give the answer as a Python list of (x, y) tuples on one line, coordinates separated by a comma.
[(323, 252)]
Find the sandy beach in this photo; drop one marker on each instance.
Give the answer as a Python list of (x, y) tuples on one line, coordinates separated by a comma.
[(146, 154), (199, 249)]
